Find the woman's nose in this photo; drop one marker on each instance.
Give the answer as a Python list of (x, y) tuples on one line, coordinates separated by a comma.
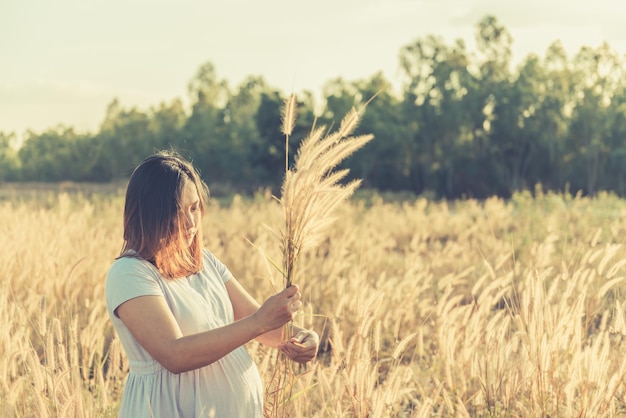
[(189, 220)]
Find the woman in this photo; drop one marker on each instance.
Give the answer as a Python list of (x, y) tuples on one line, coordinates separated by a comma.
[(181, 316)]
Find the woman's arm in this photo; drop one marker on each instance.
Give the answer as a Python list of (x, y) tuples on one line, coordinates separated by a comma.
[(150, 321), (301, 346)]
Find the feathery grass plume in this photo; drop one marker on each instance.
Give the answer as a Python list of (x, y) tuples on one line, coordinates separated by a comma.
[(289, 118), (312, 190)]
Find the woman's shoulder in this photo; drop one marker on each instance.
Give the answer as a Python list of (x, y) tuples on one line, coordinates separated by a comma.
[(129, 265), (130, 277), (209, 257), (210, 263), (206, 254), (130, 261)]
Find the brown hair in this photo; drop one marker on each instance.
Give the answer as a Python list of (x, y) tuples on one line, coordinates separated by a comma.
[(152, 215)]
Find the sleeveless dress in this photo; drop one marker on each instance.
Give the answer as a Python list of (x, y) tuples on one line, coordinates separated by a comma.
[(229, 387)]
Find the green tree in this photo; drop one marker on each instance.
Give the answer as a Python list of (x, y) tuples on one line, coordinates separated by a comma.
[(9, 161), (204, 136), (436, 96), (124, 140), (53, 155), (494, 45), (166, 125), (551, 118), (614, 177), (382, 163), (516, 126), (598, 73), (243, 135)]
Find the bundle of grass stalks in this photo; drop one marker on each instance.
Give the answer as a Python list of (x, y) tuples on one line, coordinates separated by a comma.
[(311, 191)]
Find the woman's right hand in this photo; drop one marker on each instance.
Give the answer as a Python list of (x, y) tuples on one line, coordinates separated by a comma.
[(279, 309)]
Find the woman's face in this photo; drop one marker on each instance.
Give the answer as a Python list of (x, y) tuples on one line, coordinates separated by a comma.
[(190, 212)]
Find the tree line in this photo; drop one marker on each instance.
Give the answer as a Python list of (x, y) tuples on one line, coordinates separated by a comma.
[(465, 124)]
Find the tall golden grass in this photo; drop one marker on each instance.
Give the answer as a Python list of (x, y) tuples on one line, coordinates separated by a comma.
[(426, 309)]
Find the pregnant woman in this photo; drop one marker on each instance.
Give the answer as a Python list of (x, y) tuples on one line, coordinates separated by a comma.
[(181, 316)]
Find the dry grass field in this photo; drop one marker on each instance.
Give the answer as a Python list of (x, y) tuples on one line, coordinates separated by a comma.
[(426, 309)]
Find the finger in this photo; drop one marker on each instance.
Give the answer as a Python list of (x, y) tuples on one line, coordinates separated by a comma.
[(298, 354), (301, 338), (300, 348), (306, 337), (295, 297), (291, 351), (298, 344), (291, 290), (295, 306)]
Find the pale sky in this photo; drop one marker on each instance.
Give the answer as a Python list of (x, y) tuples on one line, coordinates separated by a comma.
[(64, 61)]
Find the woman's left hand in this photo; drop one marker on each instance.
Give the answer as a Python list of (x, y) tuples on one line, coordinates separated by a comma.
[(302, 347)]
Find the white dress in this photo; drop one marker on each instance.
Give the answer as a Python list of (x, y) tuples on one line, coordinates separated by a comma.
[(230, 387)]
